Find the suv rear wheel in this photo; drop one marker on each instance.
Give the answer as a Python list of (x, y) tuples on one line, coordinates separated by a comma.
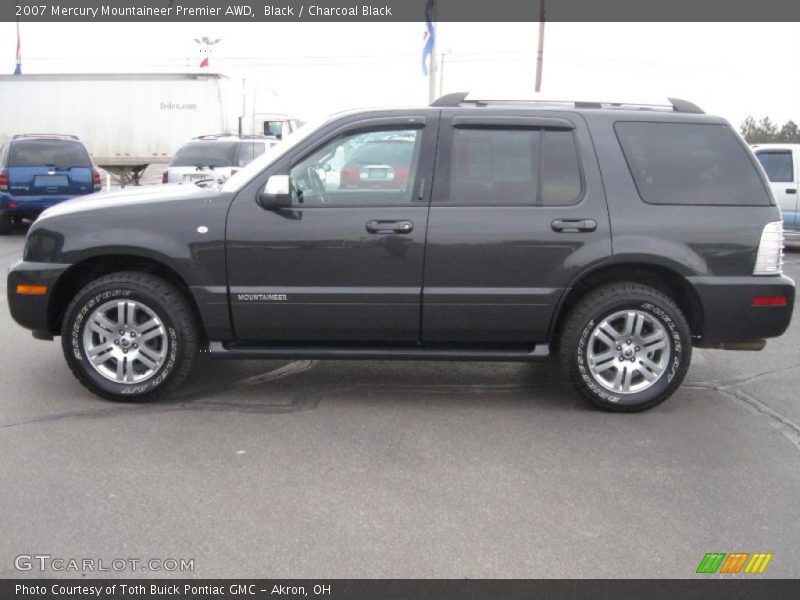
[(625, 347), (129, 336)]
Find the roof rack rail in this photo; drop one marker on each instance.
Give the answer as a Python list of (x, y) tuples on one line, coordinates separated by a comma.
[(48, 135), (684, 106), (450, 100), (456, 99)]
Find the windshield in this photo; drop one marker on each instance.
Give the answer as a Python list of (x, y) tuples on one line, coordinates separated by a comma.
[(205, 154), (243, 176), (61, 154)]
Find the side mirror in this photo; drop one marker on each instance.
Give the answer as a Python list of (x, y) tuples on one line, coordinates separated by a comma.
[(276, 194)]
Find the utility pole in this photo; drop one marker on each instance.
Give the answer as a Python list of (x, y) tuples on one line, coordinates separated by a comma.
[(540, 53), (441, 73)]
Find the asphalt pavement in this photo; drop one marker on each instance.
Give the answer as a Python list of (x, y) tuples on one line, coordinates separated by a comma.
[(397, 469)]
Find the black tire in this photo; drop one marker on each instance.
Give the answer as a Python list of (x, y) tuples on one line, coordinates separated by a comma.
[(181, 337), (606, 301), (6, 225)]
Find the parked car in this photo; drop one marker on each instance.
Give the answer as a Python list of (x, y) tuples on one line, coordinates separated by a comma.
[(39, 171), (380, 163), (613, 237), (781, 163), (214, 157)]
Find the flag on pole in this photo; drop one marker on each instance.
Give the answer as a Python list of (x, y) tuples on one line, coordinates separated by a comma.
[(18, 69), (429, 37)]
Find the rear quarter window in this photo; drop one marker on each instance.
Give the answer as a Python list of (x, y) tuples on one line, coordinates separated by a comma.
[(690, 163), (777, 165)]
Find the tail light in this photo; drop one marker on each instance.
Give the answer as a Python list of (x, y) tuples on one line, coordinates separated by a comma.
[(349, 175), (165, 177), (3, 180), (769, 260), (96, 181)]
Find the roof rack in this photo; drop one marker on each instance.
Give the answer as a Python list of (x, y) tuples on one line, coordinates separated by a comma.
[(60, 136), (216, 136), (460, 98)]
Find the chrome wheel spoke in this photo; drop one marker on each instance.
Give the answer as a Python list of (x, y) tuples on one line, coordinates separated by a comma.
[(630, 323), (100, 354), (649, 370), (618, 377), (637, 329), (626, 380), (150, 330), (101, 325), (655, 342), (150, 353), (606, 334), (146, 361)]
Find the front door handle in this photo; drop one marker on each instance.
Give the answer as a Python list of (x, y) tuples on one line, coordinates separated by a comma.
[(791, 190), (573, 225), (402, 226)]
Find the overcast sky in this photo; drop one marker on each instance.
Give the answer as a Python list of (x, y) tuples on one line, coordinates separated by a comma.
[(731, 69)]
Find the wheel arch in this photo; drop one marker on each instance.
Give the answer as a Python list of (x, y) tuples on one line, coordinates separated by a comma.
[(89, 269), (663, 278)]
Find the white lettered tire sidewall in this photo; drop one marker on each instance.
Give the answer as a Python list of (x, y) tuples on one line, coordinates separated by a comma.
[(606, 301), (157, 295)]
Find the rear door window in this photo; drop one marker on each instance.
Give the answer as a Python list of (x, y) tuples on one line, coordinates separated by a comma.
[(777, 164), (62, 154), (514, 166), (690, 163)]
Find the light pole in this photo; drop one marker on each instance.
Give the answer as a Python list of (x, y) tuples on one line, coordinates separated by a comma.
[(540, 53)]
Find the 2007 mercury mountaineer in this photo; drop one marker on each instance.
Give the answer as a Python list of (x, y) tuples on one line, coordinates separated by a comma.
[(615, 237)]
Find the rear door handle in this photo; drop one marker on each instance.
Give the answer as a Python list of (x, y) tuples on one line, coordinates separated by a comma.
[(573, 225), (791, 191), (402, 226)]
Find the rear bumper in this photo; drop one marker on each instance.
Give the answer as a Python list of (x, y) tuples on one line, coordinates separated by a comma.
[(31, 311), (28, 206), (791, 236), (728, 311)]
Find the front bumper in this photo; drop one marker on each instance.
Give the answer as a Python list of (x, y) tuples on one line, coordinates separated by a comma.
[(728, 311), (32, 311)]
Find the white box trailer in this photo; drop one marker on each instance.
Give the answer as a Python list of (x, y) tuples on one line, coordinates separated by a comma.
[(127, 121)]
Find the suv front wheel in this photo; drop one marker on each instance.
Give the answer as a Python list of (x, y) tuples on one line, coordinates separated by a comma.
[(625, 347), (129, 336)]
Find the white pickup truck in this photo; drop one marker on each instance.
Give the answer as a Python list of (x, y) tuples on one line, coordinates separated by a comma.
[(782, 163)]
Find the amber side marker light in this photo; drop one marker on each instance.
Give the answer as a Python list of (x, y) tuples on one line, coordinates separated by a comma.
[(769, 301), (31, 290)]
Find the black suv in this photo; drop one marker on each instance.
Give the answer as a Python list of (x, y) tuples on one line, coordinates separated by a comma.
[(613, 237)]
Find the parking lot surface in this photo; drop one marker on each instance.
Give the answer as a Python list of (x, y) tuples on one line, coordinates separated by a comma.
[(399, 469)]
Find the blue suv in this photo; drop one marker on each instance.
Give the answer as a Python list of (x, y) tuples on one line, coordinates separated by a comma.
[(38, 171)]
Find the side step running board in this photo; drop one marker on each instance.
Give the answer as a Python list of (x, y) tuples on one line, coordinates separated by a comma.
[(220, 350)]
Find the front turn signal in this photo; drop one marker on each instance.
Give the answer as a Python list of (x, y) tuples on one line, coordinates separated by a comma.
[(31, 290)]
